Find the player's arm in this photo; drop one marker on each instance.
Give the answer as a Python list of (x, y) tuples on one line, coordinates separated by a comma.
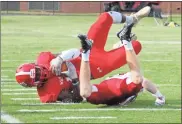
[(136, 74), (85, 85), (131, 57), (133, 64), (55, 64), (66, 55)]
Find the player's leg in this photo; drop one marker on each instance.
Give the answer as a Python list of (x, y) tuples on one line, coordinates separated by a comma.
[(136, 75), (131, 58), (98, 32), (137, 16), (117, 57), (150, 87)]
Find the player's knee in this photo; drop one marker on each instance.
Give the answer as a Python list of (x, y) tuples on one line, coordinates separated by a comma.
[(137, 46), (116, 16)]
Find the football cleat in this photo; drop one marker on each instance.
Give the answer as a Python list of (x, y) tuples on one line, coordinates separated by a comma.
[(160, 101), (125, 33), (85, 43), (144, 12), (119, 43)]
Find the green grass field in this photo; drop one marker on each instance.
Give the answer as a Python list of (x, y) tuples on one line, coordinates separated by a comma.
[(23, 37)]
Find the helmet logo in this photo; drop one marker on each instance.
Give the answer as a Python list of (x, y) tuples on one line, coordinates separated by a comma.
[(32, 73)]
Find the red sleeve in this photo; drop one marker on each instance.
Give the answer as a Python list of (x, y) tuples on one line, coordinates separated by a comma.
[(49, 92), (45, 58)]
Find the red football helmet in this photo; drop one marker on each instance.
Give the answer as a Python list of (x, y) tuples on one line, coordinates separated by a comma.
[(30, 75)]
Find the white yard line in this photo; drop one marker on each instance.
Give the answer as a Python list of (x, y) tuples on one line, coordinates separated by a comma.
[(10, 86), (24, 99), (113, 109), (81, 117), (16, 60), (152, 60), (161, 42), (9, 83), (42, 104), (158, 53), (168, 85), (4, 80), (8, 118), (25, 89), (143, 52), (17, 94), (158, 60), (4, 76), (7, 70)]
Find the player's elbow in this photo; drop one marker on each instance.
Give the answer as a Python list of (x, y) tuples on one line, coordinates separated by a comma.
[(86, 92)]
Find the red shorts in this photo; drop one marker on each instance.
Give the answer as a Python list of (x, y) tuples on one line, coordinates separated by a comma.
[(103, 62), (114, 90)]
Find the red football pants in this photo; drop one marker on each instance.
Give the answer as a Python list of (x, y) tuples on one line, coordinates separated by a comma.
[(103, 62)]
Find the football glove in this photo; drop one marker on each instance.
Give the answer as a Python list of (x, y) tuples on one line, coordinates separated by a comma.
[(55, 65)]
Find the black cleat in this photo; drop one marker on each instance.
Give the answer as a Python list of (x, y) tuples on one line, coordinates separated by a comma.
[(125, 33), (85, 42)]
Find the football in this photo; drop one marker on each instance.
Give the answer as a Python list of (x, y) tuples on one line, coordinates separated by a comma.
[(64, 67)]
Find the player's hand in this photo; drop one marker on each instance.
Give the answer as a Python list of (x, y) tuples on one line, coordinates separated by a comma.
[(160, 101), (55, 65)]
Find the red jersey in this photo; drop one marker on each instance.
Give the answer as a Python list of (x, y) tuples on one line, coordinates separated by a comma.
[(49, 92), (114, 90)]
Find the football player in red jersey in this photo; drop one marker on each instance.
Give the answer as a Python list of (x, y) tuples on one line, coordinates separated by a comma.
[(117, 89), (100, 64)]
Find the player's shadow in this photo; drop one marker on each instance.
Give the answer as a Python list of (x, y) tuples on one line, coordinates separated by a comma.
[(174, 104)]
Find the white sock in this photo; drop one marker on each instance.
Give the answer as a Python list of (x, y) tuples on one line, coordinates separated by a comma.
[(116, 17), (129, 20), (127, 45), (85, 56), (158, 94)]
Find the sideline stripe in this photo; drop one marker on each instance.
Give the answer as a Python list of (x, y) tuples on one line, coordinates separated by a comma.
[(114, 109), (18, 89), (8, 118), (78, 117), (24, 99), (42, 104), (14, 94)]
